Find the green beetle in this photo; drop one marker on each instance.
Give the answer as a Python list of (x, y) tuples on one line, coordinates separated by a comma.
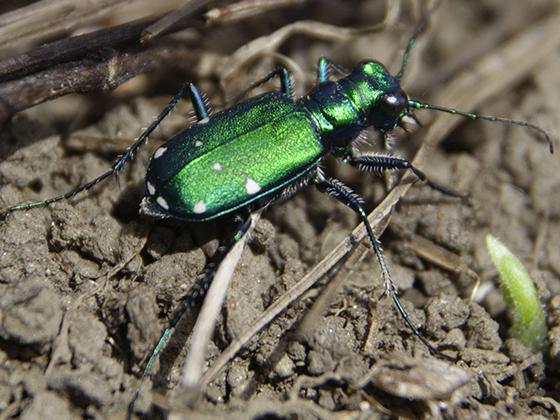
[(267, 147)]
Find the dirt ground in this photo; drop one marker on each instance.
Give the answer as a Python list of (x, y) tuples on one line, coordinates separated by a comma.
[(86, 287)]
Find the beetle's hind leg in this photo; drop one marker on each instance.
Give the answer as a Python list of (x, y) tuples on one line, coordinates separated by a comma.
[(192, 301), (118, 165), (346, 196), (379, 163)]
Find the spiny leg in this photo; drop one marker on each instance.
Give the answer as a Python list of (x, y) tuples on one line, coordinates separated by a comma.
[(117, 166), (324, 66), (131, 151), (200, 103), (378, 164), (285, 83), (191, 301), (345, 195)]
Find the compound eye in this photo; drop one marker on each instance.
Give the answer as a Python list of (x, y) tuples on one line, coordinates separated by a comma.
[(393, 103)]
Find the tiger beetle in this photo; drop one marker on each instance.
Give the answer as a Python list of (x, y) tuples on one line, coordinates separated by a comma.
[(266, 148)]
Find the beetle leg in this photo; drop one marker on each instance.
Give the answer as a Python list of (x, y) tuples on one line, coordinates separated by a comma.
[(324, 66), (117, 165), (346, 196), (379, 163), (285, 83), (200, 103), (323, 70), (192, 300)]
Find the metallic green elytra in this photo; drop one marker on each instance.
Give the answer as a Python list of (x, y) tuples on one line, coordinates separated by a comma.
[(235, 158)]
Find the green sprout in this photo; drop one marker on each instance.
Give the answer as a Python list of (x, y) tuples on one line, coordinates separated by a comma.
[(529, 325)]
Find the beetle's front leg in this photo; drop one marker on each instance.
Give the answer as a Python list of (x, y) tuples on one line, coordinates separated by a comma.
[(380, 163)]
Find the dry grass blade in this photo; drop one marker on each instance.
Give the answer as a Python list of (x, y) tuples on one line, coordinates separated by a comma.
[(330, 291), (491, 75), (209, 313), (270, 43), (443, 258), (244, 9)]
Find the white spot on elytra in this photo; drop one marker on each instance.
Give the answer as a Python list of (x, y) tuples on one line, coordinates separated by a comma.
[(198, 143), (251, 186), (199, 207), (392, 99), (159, 152), (151, 188), (204, 120), (217, 166), (162, 203)]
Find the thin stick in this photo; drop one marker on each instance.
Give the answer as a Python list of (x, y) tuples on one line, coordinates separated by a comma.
[(89, 75), (68, 66), (329, 292), (71, 48), (166, 22), (443, 258), (46, 18)]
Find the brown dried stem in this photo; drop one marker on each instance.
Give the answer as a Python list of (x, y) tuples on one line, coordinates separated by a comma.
[(70, 48), (48, 18), (91, 75)]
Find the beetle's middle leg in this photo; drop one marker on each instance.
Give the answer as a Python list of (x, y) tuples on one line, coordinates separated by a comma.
[(200, 103)]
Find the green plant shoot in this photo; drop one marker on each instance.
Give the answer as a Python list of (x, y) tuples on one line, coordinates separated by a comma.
[(529, 325)]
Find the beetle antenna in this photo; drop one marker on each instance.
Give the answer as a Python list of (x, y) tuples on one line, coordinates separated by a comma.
[(418, 30), (412, 103)]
